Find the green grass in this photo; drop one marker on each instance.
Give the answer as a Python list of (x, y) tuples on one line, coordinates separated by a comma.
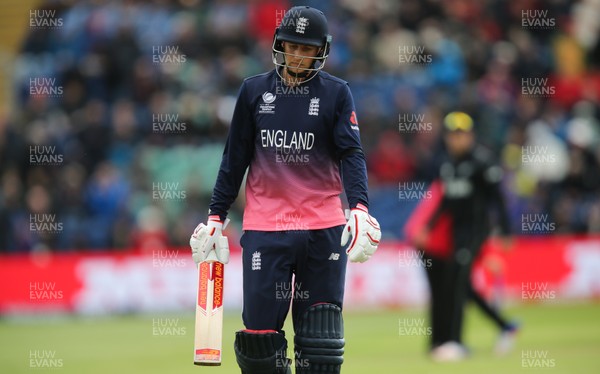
[(568, 334)]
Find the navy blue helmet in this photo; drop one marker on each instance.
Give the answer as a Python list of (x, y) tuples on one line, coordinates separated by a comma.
[(302, 25)]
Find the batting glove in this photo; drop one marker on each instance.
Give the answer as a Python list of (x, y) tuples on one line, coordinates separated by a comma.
[(365, 233), (208, 243)]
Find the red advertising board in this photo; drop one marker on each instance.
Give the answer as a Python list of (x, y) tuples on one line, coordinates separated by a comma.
[(534, 270)]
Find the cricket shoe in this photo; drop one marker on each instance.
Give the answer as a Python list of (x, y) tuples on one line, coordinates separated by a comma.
[(506, 340), (449, 352)]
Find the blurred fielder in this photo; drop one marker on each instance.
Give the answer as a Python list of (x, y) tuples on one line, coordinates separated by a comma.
[(295, 129), (470, 186)]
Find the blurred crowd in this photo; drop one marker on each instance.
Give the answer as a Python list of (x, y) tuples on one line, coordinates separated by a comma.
[(121, 146)]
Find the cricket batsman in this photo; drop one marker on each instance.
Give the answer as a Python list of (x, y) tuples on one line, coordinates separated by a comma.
[(295, 131)]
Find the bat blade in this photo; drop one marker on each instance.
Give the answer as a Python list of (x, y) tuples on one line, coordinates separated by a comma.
[(208, 334)]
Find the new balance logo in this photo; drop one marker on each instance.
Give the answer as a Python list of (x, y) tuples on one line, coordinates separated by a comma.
[(334, 257), (301, 25)]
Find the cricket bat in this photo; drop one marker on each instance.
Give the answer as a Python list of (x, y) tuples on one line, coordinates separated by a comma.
[(208, 333)]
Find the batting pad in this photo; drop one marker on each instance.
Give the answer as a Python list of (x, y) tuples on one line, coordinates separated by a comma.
[(319, 341)]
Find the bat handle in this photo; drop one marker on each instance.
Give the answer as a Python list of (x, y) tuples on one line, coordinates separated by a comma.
[(212, 257)]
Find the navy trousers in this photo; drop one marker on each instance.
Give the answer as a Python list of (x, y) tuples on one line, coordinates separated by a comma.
[(282, 267)]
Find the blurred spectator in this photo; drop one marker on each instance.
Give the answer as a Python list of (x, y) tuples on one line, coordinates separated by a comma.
[(123, 65), (390, 162)]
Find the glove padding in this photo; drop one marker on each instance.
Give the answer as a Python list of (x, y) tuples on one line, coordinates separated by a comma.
[(365, 233), (208, 243)]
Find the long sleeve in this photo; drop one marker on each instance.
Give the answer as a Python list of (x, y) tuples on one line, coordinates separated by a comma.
[(354, 176), (238, 152), (349, 151), (493, 176)]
